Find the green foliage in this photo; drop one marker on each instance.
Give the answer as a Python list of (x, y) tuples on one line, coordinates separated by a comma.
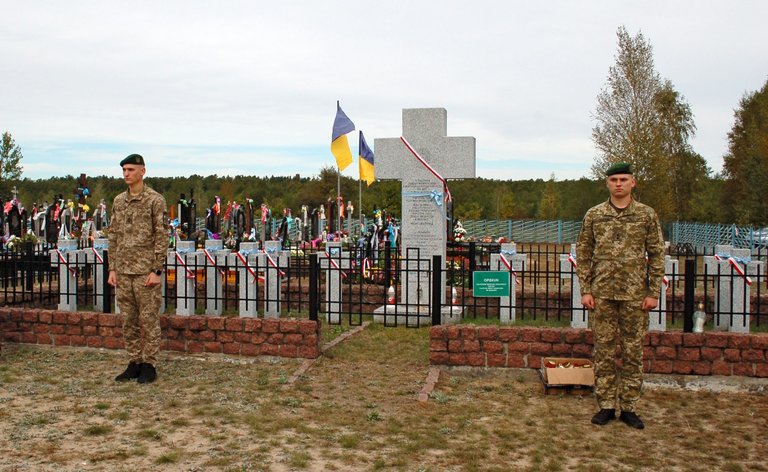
[(746, 164), (549, 207), (10, 158), (646, 122)]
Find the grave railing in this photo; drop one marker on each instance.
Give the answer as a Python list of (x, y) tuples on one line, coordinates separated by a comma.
[(364, 278)]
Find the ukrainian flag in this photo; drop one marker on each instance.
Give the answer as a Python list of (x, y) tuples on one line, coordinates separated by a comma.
[(339, 144), (366, 162)]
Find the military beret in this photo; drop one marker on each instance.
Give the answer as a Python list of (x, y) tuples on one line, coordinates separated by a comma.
[(134, 159), (619, 168)]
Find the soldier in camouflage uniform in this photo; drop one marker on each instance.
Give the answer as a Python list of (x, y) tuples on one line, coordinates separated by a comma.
[(621, 286), (138, 245)]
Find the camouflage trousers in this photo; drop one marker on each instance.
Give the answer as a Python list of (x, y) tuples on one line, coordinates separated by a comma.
[(140, 307), (622, 323)]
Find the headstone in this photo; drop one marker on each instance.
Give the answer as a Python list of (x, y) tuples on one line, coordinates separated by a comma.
[(100, 219), (52, 223), (509, 260), (579, 314), (245, 261), (67, 258), (38, 225), (275, 259), (240, 225), (657, 318), (66, 219), (14, 221), (215, 258), (424, 218), (184, 260), (733, 269), (321, 221), (335, 262), (304, 221)]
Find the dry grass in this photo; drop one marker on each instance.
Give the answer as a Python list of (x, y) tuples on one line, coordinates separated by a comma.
[(355, 409)]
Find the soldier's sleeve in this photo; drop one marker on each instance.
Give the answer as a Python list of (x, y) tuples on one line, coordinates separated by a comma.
[(160, 245), (112, 236), (654, 246), (585, 248)]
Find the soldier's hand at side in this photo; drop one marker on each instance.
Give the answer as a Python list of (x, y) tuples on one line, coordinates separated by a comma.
[(112, 279), (649, 303), (152, 280), (588, 301)]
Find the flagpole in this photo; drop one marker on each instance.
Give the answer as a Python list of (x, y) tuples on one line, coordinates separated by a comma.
[(360, 201), (338, 203)]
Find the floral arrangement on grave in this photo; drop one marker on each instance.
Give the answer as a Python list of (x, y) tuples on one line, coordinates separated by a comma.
[(230, 240), (15, 243), (459, 233)]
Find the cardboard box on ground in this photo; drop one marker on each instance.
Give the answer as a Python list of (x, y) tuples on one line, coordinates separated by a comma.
[(564, 371)]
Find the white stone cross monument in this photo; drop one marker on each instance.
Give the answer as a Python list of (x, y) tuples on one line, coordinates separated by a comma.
[(67, 257), (424, 218), (509, 260), (335, 262), (215, 259), (733, 269), (246, 261), (184, 259), (275, 259)]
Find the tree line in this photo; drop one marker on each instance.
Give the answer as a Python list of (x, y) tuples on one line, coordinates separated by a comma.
[(472, 198)]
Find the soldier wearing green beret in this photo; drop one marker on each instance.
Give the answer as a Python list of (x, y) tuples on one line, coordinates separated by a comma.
[(620, 286), (138, 243)]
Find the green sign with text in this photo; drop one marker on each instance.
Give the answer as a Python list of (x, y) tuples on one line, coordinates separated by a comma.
[(488, 283)]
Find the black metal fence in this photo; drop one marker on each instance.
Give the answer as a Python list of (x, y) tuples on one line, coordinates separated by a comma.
[(354, 284)]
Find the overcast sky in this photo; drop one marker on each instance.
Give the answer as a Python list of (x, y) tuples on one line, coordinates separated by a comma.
[(250, 88)]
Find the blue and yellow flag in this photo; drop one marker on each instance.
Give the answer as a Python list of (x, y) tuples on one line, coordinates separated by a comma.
[(366, 162), (339, 144)]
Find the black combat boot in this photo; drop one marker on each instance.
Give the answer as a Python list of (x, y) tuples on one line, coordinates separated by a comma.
[(603, 416), (631, 419), (148, 373), (131, 372)]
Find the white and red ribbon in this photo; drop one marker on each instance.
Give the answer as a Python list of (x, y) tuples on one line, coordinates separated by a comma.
[(63, 260), (736, 267), (572, 260), (212, 261), (273, 263), (245, 264), (98, 256), (190, 274), (429, 168), (335, 265), (509, 267), (734, 263)]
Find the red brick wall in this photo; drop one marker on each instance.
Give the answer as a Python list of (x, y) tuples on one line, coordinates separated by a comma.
[(669, 352), (285, 337)]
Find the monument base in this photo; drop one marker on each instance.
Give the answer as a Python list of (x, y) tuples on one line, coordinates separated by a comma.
[(411, 315)]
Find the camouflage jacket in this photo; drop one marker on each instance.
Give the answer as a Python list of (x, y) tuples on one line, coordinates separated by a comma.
[(138, 239), (611, 252)]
